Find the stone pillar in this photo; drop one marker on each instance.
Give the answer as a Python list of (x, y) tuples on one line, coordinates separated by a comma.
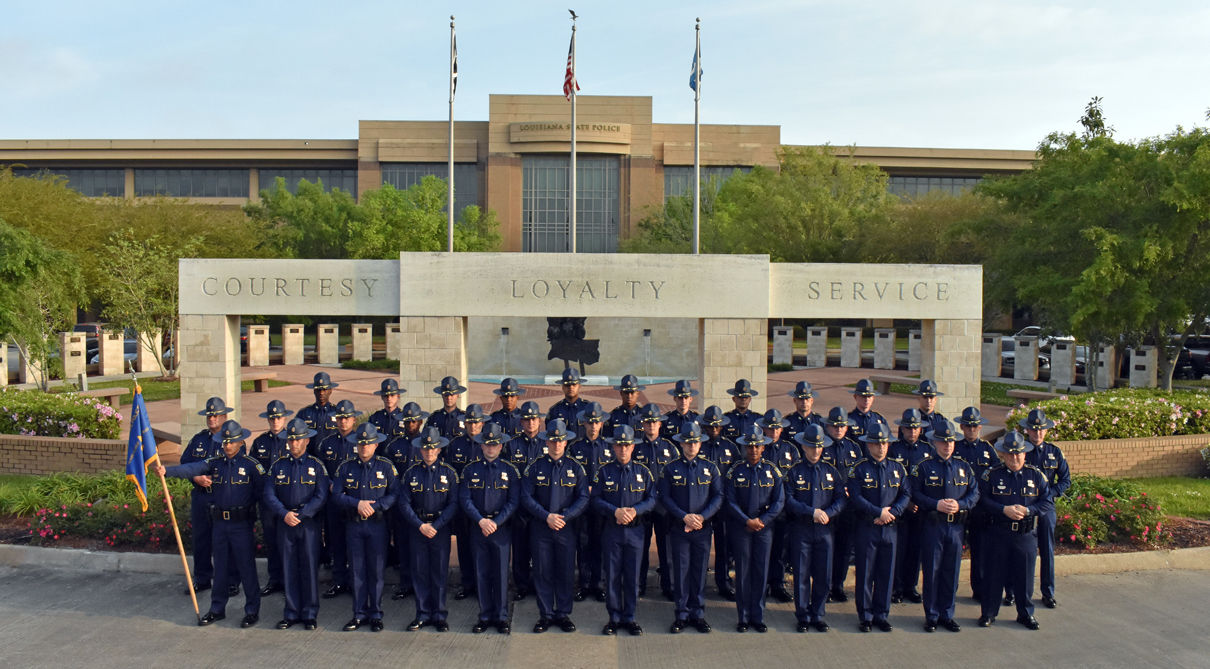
[(3, 364), (72, 348), (1107, 368), (783, 345), (112, 348), (258, 345), (1143, 364), (327, 343), (209, 366), (363, 341), (991, 354), (392, 341), (1063, 364), (950, 355), (817, 346), (1025, 358), (884, 348), (914, 350), (29, 372), (430, 348), (147, 357), (733, 349), (292, 344), (850, 347)]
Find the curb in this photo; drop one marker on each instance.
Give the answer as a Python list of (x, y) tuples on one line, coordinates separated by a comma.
[(166, 563)]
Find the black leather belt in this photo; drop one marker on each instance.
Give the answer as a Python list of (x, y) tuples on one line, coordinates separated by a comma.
[(356, 517), (490, 516), (956, 517), (1018, 526), (233, 514), (428, 517)]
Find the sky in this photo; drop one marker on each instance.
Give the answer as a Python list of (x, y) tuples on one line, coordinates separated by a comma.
[(992, 74)]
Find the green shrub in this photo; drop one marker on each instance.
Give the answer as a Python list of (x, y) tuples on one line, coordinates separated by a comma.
[(1098, 509), (1089, 485), (781, 367), (383, 364), (1124, 413), (35, 413)]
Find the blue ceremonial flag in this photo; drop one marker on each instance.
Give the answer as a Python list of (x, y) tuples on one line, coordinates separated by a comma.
[(140, 450), (696, 75)]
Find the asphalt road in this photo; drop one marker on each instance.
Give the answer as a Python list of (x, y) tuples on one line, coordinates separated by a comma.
[(57, 618)]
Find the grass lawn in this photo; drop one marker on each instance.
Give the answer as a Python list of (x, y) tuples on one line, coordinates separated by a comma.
[(157, 390), (1180, 495), (990, 392)]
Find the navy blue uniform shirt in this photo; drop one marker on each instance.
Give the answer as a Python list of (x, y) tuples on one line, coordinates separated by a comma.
[(814, 486), (358, 480), (691, 486), (620, 486), (555, 486), (296, 484), (490, 490), (754, 491), (429, 494), (875, 485), (935, 479)]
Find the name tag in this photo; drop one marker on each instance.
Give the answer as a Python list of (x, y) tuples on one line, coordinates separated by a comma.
[(676, 477), (541, 477)]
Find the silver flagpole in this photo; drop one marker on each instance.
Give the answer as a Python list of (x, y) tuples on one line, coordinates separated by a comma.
[(697, 137), (572, 191), (449, 234)]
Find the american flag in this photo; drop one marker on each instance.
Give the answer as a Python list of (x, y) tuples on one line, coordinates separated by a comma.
[(570, 85)]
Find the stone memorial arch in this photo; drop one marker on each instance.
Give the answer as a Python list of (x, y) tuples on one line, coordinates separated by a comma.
[(730, 296)]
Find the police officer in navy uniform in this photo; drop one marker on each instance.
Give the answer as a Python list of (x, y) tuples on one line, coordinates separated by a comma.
[(1049, 458), (863, 415), (623, 491), (520, 451), (1014, 495), (237, 483), (926, 393), (784, 454), (387, 417), (654, 452), (909, 450), (202, 447), (508, 416), (814, 496), (741, 418), (266, 449), (879, 493), (980, 454), (333, 451), (593, 451), (843, 454), (490, 497), (945, 489), (682, 412), (296, 490), (627, 412), (723, 453), (570, 407), (691, 492), (365, 488), (460, 452), (428, 499), (450, 420), (554, 493), (398, 449), (321, 415), (753, 498), (804, 401)]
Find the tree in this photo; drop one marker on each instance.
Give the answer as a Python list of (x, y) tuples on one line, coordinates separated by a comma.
[(39, 289)]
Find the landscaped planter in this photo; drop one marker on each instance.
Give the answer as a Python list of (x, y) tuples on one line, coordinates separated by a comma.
[(1136, 458)]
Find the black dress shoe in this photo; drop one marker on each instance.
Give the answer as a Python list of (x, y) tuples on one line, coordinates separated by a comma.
[(912, 596), (335, 591), (270, 589), (580, 595), (376, 625), (519, 595), (541, 626), (209, 618), (249, 620), (233, 591), (1028, 622), (677, 626), (565, 624), (197, 587), (504, 627), (441, 626), (599, 594), (400, 593), (986, 621), (760, 627), (930, 626), (865, 626), (838, 596), (728, 594), (951, 625), (700, 625), (310, 624), (884, 625), (1049, 602), (285, 624), (897, 598), (635, 629), (741, 627), (610, 629), (464, 593), (480, 627), (821, 626), (416, 624), (780, 593), (1009, 599), (353, 625), (802, 627)]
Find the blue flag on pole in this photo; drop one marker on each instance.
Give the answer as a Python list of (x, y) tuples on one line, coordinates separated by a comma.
[(695, 76), (140, 450)]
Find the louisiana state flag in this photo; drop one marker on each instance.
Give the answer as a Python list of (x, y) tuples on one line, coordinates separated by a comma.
[(140, 450)]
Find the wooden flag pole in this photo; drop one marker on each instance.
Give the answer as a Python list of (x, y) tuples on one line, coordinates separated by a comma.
[(181, 547)]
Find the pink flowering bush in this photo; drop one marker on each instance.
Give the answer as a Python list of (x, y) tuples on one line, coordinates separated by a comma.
[(38, 414), (1123, 413), (1098, 509)]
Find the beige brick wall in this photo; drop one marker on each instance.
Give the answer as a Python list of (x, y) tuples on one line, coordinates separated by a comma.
[(733, 348), (431, 348), (1136, 458), (46, 455)]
